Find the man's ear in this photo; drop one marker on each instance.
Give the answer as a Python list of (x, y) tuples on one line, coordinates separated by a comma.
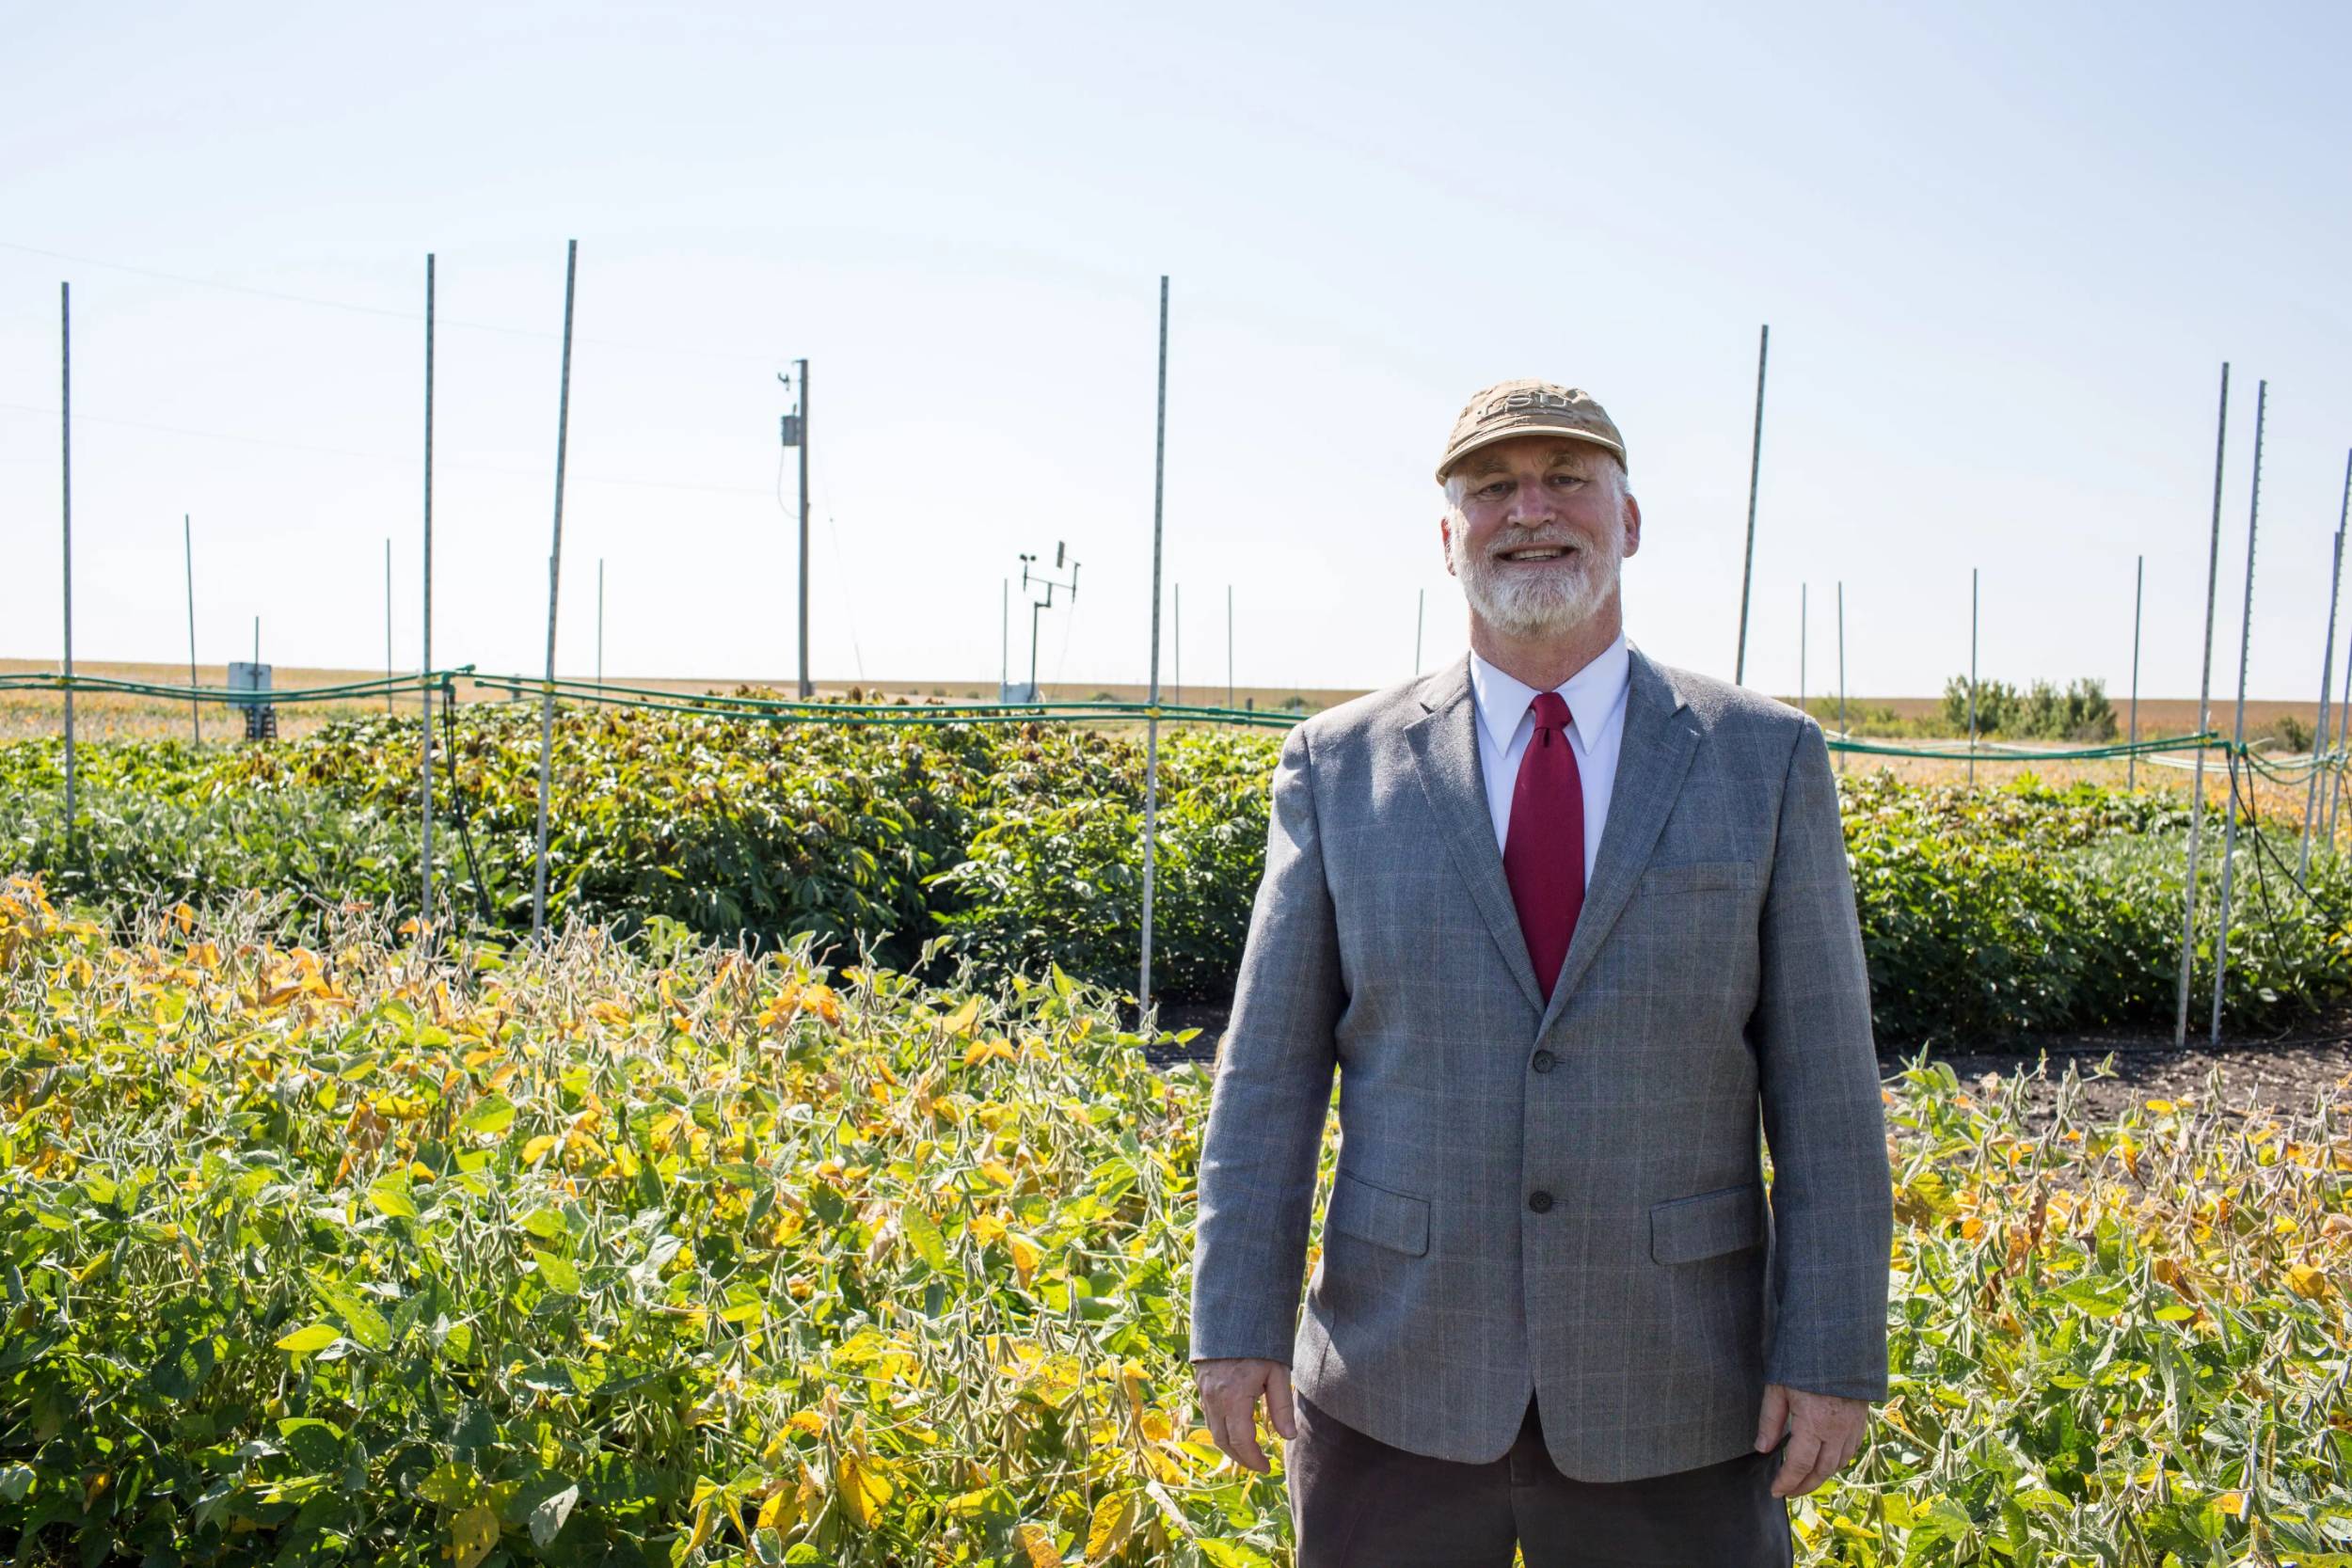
[(1633, 524), (1445, 540)]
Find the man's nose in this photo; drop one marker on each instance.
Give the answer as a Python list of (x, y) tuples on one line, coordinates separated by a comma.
[(1532, 505)]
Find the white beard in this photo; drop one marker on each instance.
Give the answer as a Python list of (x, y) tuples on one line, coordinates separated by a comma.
[(1519, 602)]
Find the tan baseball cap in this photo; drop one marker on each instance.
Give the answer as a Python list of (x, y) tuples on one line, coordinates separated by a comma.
[(1511, 409)]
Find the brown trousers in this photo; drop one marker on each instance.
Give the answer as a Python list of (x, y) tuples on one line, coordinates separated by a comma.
[(1356, 1502)]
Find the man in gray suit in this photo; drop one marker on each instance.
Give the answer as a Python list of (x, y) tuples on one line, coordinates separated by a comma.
[(1576, 931)]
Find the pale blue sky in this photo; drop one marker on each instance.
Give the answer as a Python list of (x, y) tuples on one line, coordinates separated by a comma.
[(2003, 255)]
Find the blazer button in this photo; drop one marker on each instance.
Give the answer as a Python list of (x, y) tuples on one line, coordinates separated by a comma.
[(1544, 1060), (1540, 1202)]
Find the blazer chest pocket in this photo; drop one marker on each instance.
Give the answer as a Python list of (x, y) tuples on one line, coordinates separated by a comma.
[(1685, 1229), (1702, 877), (1375, 1214)]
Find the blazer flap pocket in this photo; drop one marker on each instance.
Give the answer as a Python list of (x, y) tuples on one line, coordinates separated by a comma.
[(1375, 1214), (1701, 875), (1684, 1229)]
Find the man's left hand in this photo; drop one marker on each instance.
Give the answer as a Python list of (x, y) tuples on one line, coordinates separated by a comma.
[(1823, 1432)]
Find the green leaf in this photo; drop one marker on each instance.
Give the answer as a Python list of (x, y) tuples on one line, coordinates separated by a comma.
[(557, 1274), (364, 1323), (492, 1114), (923, 1231), (390, 1195)]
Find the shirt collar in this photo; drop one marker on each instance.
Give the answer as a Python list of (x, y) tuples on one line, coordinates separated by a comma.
[(1591, 693)]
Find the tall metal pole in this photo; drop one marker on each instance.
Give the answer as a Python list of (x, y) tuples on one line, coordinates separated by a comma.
[(1004, 638), (1229, 644), (196, 720), (1756, 468), (2327, 679), (1804, 641), (1972, 677), (1152, 725), (2343, 734), (425, 915), (599, 622), (808, 689), (2204, 694), (387, 622), (555, 568), (65, 426), (2140, 580), (2237, 741), (1421, 618), (1176, 627), (1843, 734)]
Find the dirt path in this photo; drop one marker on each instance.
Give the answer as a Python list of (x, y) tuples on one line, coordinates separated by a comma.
[(2242, 1076)]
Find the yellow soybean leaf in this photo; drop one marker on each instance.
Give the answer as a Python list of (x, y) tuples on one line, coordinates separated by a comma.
[(302, 1341), (536, 1147), (781, 1511), (959, 1021), (2304, 1280), (863, 1487), (1026, 1254), (1115, 1520), (472, 1535), (1036, 1544)]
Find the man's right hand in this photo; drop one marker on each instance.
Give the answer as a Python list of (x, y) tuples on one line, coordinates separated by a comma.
[(1229, 1390)]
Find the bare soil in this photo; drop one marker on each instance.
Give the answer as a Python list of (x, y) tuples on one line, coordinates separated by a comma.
[(2255, 1077)]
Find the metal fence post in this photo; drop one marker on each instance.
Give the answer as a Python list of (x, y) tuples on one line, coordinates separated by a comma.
[(555, 569), (196, 720), (1755, 470), (426, 910), (1151, 726), (2326, 682), (65, 438), (2204, 699), (2237, 740), (2139, 579)]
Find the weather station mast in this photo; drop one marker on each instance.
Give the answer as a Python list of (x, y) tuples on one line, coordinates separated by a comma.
[(1034, 577)]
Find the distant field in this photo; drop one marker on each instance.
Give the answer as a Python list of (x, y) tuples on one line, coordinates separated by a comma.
[(24, 713)]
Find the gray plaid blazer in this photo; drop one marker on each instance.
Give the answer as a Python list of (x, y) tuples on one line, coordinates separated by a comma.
[(1566, 1199)]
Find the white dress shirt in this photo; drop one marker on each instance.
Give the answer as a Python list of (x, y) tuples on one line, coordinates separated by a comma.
[(1596, 698)]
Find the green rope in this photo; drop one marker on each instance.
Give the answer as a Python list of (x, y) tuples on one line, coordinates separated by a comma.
[(929, 713), (238, 696)]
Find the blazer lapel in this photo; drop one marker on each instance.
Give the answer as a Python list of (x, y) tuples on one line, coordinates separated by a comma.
[(1444, 740), (1652, 758)]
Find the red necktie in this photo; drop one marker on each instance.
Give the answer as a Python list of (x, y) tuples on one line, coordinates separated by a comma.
[(1543, 845)]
